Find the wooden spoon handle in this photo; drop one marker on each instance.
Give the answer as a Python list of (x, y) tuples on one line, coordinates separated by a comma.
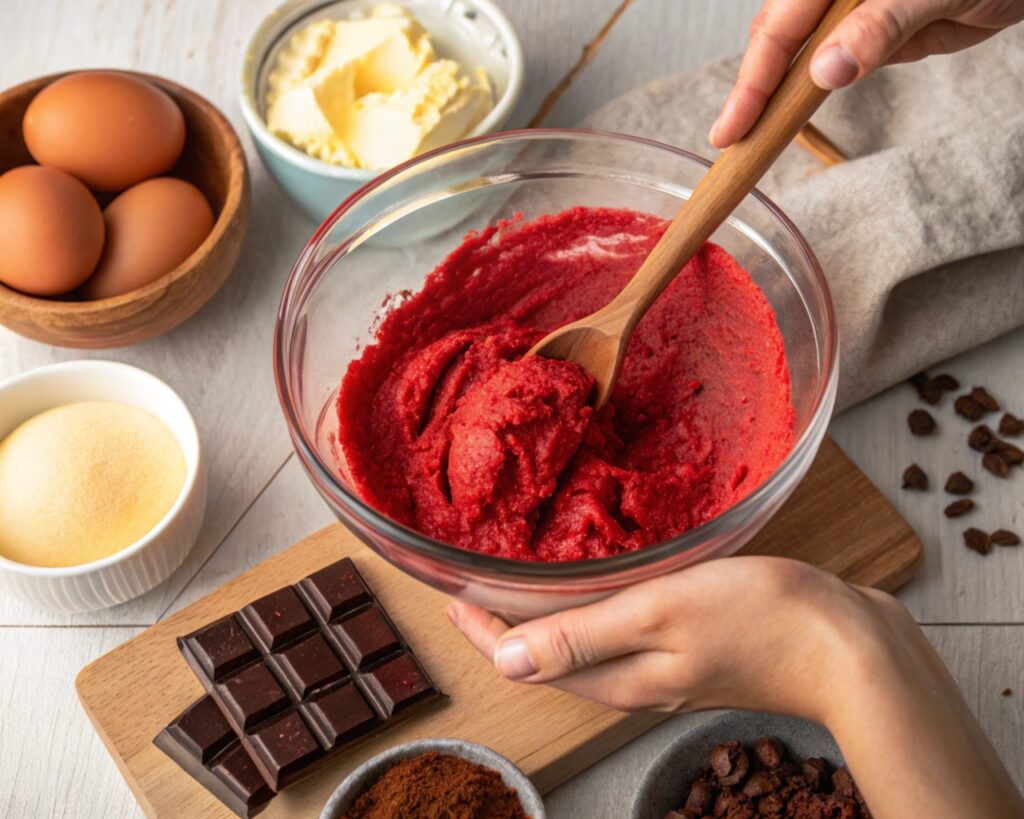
[(733, 175)]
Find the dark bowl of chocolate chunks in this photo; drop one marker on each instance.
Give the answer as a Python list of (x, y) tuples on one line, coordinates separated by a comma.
[(748, 763)]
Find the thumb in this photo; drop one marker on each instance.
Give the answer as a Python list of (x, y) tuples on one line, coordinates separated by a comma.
[(868, 36), (558, 645)]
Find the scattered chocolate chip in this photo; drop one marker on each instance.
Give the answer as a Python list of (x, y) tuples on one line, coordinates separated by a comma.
[(815, 771), (958, 508), (769, 752), (946, 382), (978, 541), (914, 478), (842, 782), (928, 389), (1013, 455), (1004, 537), (921, 422), (968, 408), (729, 762), (995, 464), (1010, 424), (959, 484), (760, 783), (1007, 692), (981, 397), (981, 438)]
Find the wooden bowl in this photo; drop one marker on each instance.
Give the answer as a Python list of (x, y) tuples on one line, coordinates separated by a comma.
[(212, 161)]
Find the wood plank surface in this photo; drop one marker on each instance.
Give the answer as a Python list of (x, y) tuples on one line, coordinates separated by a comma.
[(133, 691)]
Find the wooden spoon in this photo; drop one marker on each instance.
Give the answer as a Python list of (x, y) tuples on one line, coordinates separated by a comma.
[(598, 342)]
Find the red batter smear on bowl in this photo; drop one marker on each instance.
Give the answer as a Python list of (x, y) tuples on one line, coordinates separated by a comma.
[(445, 427)]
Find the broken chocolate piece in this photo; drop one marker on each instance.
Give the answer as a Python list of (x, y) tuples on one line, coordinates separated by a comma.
[(1010, 424), (978, 541), (959, 484), (921, 422), (1004, 537), (205, 746), (967, 407), (981, 397), (958, 508), (981, 438), (729, 762), (946, 382), (915, 478), (995, 464)]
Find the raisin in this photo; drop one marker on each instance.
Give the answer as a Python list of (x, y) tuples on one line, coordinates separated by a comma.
[(958, 508), (921, 422), (978, 541), (1004, 537)]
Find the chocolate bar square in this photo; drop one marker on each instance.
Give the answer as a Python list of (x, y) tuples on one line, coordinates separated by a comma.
[(317, 667)]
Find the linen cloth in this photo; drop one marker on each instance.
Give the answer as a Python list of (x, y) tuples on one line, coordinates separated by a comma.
[(921, 233)]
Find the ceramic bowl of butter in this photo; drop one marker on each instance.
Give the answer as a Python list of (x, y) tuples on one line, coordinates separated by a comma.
[(336, 91), (102, 484)]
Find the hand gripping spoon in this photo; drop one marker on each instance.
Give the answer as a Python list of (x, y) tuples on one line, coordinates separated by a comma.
[(598, 342)]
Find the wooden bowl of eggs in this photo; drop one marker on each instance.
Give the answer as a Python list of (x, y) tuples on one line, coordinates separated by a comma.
[(124, 200)]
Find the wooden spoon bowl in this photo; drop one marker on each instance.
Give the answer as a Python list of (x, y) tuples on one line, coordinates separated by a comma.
[(213, 161)]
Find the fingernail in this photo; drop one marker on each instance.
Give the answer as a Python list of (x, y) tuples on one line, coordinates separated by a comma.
[(512, 659), (833, 68), (711, 133)]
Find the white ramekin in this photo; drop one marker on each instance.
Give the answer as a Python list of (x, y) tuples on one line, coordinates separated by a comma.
[(147, 562)]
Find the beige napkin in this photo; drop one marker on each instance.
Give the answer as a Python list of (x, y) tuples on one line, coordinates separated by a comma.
[(920, 234)]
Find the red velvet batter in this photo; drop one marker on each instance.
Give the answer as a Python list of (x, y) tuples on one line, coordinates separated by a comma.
[(446, 428)]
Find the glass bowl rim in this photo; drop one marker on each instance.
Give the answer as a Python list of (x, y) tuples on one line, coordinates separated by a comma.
[(570, 570)]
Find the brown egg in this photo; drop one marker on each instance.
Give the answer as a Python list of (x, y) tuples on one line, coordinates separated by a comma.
[(151, 229), (51, 231), (108, 129)]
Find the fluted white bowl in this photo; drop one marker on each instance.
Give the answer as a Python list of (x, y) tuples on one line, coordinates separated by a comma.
[(150, 560)]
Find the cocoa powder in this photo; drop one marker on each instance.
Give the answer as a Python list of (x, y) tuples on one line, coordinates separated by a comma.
[(438, 786)]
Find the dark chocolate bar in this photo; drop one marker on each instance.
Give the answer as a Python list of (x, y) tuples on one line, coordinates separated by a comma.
[(201, 741), (308, 670)]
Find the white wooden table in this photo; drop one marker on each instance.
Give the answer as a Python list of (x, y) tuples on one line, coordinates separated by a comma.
[(51, 762)]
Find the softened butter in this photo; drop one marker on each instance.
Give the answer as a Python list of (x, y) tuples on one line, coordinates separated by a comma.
[(371, 92)]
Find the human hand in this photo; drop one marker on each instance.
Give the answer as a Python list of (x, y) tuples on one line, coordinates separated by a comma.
[(874, 34), (775, 635), (749, 632)]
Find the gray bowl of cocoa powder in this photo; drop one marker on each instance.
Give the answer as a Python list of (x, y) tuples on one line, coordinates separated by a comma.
[(666, 783), (366, 775)]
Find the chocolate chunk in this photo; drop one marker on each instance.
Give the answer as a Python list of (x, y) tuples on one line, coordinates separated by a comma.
[(221, 647), (928, 390), (968, 408), (398, 684), (297, 687), (1013, 455), (1010, 424), (921, 422), (760, 783), (959, 484), (307, 666), (842, 782), (995, 464), (981, 397), (251, 696), (277, 619), (978, 541), (769, 752), (366, 637), (286, 748), (1004, 537), (332, 592), (946, 382), (701, 797), (815, 771), (1007, 692), (981, 438), (729, 762), (340, 715), (958, 508), (205, 746), (915, 478)]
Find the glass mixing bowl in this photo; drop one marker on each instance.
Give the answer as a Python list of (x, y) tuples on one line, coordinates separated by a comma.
[(384, 240)]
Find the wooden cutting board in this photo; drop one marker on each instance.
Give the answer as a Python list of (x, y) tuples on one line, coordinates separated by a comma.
[(836, 519)]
